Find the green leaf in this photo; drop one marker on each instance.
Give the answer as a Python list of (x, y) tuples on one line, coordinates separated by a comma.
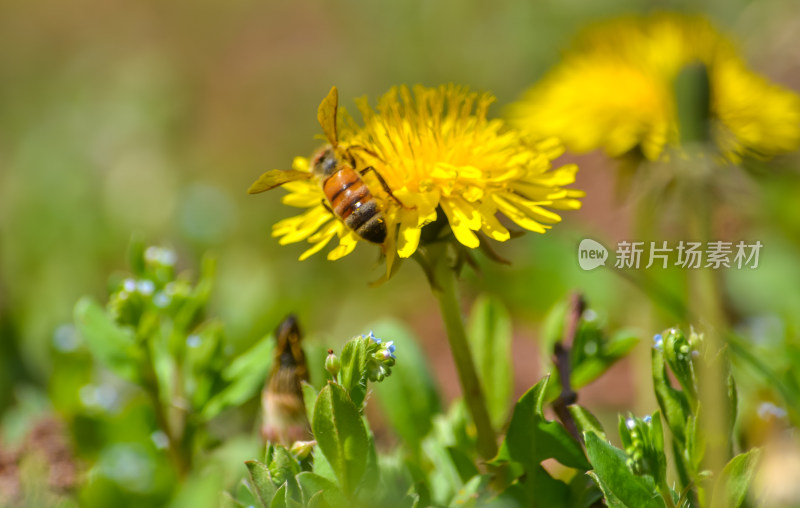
[(513, 496), (245, 494), (590, 368), (586, 421), (621, 343), (408, 399), (136, 255), (279, 500), (354, 361), (314, 484), (611, 500), (553, 327), (673, 403), (731, 487), (309, 398), (283, 465), (245, 376), (163, 366), (228, 501), (531, 438), (695, 446), (294, 494), (614, 476), (341, 435), (547, 491), (192, 309), (372, 474), (262, 481), (318, 501), (583, 492), (464, 465), (489, 334), (468, 495), (113, 346), (321, 466)]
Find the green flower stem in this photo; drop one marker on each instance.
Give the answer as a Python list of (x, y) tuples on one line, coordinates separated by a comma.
[(442, 279), (666, 494), (181, 457), (712, 389)]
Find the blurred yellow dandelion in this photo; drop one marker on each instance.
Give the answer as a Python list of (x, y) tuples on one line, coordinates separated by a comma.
[(614, 90), (430, 151)]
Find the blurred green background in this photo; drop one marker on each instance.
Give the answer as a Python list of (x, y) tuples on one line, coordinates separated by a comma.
[(121, 117)]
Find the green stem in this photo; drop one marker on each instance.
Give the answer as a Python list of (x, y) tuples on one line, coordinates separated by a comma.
[(712, 390), (442, 279), (666, 494), (181, 460)]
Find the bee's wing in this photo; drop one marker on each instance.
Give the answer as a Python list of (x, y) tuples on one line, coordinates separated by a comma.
[(275, 178), (326, 115)]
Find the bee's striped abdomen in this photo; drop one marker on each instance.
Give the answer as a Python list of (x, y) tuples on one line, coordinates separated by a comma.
[(352, 202)]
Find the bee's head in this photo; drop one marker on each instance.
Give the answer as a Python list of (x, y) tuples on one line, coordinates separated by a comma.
[(324, 162)]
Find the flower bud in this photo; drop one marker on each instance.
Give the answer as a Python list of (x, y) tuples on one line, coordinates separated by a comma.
[(302, 449), (332, 363)]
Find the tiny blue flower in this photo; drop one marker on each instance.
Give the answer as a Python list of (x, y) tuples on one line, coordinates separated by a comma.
[(647, 419), (161, 299), (168, 257), (193, 340), (145, 286), (658, 342), (769, 409)]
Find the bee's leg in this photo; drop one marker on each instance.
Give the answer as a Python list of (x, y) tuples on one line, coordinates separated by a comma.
[(365, 150), (383, 183), (327, 207)]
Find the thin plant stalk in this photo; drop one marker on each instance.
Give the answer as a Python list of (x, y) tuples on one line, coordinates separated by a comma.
[(713, 389), (442, 278)]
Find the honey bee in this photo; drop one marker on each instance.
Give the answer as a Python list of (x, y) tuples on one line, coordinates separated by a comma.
[(347, 197), (284, 411)]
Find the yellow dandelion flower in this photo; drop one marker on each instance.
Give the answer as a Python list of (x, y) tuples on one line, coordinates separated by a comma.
[(421, 154), (437, 149), (614, 89)]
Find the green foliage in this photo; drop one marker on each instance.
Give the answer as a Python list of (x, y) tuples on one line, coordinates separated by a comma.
[(113, 346), (153, 334), (529, 441), (353, 369), (176, 356), (342, 469), (731, 487), (411, 400), (490, 337), (157, 344), (440, 466), (593, 350), (616, 480), (640, 474), (341, 435), (530, 438)]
